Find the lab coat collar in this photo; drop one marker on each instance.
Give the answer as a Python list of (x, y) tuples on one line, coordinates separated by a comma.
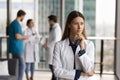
[(78, 47), (71, 44), (30, 28), (55, 25)]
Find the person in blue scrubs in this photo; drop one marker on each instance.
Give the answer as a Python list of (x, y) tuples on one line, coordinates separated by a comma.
[(15, 41)]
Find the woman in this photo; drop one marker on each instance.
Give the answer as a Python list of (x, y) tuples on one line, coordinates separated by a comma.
[(30, 48), (74, 54)]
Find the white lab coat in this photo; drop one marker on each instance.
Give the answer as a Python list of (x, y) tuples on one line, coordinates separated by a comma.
[(54, 36), (63, 60), (30, 46)]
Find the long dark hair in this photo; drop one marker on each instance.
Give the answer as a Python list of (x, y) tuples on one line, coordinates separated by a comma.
[(70, 17)]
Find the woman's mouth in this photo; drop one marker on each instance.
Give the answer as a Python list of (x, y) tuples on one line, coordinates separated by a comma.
[(79, 30)]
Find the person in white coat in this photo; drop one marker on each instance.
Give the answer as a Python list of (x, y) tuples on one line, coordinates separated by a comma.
[(74, 55), (55, 35), (30, 50)]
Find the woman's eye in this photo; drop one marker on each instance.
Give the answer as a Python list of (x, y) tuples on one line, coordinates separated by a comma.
[(82, 23)]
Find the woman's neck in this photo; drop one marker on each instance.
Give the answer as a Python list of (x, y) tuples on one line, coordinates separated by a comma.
[(30, 27), (72, 38)]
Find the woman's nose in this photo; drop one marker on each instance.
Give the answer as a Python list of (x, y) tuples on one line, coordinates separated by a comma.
[(79, 26)]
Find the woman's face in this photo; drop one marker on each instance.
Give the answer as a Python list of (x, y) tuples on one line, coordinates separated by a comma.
[(31, 24), (77, 26)]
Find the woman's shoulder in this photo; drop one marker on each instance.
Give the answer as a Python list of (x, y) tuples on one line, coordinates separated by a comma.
[(89, 42), (62, 42)]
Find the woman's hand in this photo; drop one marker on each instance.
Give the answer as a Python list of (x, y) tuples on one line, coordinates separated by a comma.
[(91, 73), (81, 40)]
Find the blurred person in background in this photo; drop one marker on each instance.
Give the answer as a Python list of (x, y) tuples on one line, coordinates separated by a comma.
[(55, 35), (31, 49), (15, 41)]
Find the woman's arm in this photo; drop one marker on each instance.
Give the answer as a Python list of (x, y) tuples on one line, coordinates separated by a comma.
[(86, 56), (33, 38), (25, 34), (65, 73), (91, 73)]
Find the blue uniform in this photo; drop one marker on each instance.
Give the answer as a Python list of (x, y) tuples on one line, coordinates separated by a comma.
[(15, 45)]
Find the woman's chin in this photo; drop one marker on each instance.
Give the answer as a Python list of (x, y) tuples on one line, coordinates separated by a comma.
[(79, 32)]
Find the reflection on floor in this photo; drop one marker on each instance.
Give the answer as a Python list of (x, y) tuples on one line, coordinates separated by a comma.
[(44, 75)]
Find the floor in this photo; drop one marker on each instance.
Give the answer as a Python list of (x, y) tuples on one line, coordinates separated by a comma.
[(44, 75)]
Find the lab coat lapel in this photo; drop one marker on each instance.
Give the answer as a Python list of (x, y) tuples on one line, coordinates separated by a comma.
[(68, 47), (68, 52)]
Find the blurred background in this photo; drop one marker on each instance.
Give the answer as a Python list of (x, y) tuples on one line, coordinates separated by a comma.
[(102, 25)]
